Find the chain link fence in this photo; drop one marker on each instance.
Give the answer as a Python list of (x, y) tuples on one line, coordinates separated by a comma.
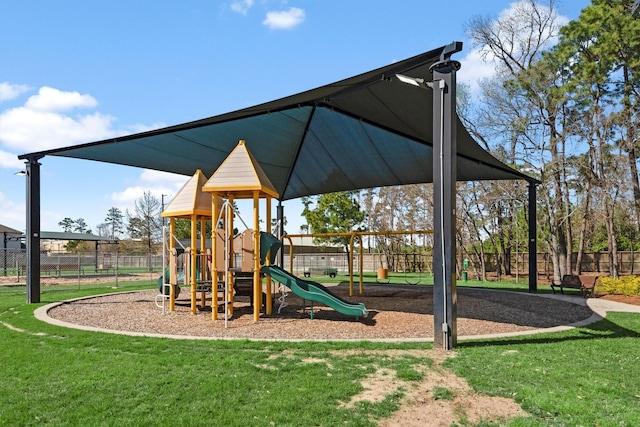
[(81, 265), (88, 265)]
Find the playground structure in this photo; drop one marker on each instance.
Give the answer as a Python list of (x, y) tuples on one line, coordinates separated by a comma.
[(238, 177)]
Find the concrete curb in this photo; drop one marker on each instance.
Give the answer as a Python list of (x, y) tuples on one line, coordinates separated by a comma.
[(599, 307)]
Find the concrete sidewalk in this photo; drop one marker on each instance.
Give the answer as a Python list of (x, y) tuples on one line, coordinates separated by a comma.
[(597, 305)]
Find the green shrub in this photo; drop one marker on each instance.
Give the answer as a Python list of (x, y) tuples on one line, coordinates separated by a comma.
[(625, 285)]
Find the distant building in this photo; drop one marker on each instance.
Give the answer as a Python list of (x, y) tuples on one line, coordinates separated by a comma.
[(55, 241), (10, 238), (56, 246)]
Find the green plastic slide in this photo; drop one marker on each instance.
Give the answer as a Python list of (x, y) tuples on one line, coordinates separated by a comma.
[(165, 291), (313, 291)]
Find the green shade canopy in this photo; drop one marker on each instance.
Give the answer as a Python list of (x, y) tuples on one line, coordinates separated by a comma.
[(366, 131)]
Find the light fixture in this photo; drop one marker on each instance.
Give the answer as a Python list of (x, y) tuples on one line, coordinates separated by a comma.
[(21, 173), (414, 81)]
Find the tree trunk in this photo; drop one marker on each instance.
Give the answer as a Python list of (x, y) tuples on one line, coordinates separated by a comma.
[(633, 159), (567, 221), (556, 205), (629, 138), (611, 239), (586, 215)]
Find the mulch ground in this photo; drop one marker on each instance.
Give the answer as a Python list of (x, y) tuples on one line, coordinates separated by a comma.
[(395, 312)]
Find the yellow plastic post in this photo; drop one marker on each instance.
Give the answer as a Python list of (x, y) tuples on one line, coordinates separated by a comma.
[(257, 283), (173, 260), (230, 257), (351, 238), (192, 269), (269, 303), (214, 255), (203, 261)]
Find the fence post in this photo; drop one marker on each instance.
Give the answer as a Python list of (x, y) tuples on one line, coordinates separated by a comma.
[(116, 266)]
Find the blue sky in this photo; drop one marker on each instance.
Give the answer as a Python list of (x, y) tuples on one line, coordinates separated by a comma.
[(77, 71)]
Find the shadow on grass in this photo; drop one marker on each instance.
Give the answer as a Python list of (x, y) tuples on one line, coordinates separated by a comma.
[(485, 304), (601, 329)]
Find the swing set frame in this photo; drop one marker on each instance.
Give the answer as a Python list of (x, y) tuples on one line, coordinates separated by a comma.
[(353, 236)]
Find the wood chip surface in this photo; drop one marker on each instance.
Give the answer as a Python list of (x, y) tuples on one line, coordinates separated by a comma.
[(401, 312)]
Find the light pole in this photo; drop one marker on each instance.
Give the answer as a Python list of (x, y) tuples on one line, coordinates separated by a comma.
[(163, 196), (444, 146)]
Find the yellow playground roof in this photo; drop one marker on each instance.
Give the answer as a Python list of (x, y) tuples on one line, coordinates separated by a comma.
[(240, 175), (190, 200)]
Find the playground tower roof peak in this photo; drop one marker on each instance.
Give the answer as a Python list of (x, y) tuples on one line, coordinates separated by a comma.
[(240, 175), (190, 200)]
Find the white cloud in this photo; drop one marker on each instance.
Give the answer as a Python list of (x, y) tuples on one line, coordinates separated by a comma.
[(46, 121), (158, 183), (128, 196), (10, 160), (35, 130), (241, 6), (284, 20), (10, 91), (476, 66), (12, 213), (50, 99)]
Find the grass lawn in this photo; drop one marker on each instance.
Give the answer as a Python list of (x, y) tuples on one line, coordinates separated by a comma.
[(51, 375)]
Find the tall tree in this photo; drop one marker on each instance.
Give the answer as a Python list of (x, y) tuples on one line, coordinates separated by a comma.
[(601, 53), (70, 226), (114, 222), (517, 39), (67, 225), (399, 208), (334, 213), (531, 105), (145, 222), (80, 226)]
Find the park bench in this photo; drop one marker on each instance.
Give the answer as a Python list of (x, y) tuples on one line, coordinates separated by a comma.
[(331, 272), (584, 283), (57, 269), (53, 269)]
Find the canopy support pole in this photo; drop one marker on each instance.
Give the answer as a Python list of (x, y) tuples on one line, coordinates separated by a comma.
[(33, 229), (444, 198), (533, 247)]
